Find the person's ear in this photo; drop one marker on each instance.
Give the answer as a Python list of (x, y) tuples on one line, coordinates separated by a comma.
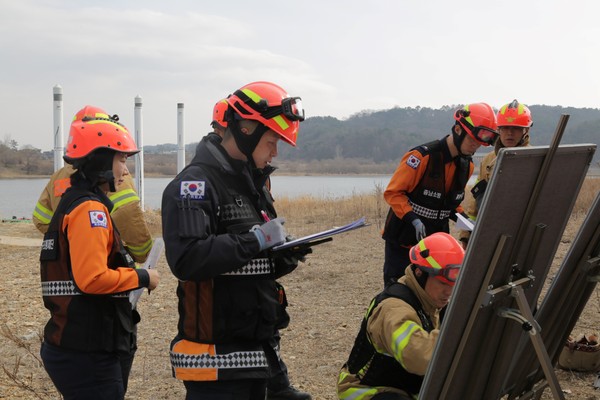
[(244, 131), (418, 272), (457, 129)]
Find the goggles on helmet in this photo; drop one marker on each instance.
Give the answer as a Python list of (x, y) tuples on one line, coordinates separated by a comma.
[(449, 272), (484, 135), (290, 107)]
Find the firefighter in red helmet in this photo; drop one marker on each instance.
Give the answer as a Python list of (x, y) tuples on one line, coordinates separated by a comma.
[(400, 329), (219, 224), (428, 186), (85, 271)]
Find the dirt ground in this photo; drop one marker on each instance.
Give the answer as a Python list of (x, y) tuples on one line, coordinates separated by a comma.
[(327, 298)]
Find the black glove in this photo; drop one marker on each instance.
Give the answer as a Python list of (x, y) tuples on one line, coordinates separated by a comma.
[(478, 190), (287, 260)]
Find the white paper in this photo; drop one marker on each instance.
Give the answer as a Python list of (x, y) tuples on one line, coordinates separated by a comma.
[(151, 261), (463, 223)]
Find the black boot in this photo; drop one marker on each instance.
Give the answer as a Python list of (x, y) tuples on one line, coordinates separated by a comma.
[(288, 393)]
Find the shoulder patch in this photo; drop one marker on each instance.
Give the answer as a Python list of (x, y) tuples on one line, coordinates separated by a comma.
[(413, 161), (193, 189), (98, 219)]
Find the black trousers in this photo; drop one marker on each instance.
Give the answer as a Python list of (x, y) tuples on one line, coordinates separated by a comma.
[(243, 389), (396, 261), (279, 374), (80, 375)]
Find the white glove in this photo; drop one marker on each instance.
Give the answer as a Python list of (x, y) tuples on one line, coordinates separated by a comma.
[(420, 229), (270, 233)]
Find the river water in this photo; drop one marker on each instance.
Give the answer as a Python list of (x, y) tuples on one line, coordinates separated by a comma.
[(18, 196)]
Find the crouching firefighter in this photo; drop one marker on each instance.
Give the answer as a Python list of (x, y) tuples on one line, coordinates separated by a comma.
[(401, 326)]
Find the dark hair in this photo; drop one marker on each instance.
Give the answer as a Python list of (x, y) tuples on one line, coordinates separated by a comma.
[(421, 280)]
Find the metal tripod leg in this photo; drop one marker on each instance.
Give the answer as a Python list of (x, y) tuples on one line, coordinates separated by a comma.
[(538, 344)]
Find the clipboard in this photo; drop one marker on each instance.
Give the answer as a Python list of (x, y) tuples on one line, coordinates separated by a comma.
[(320, 237)]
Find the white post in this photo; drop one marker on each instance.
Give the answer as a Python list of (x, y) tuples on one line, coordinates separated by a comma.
[(180, 139), (58, 128), (139, 157)]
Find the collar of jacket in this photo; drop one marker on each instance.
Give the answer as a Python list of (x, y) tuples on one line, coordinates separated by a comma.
[(426, 301), (498, 145)]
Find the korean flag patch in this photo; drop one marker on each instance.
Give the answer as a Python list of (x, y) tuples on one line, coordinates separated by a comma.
[(98, 219), (413, 162), (193, 189)]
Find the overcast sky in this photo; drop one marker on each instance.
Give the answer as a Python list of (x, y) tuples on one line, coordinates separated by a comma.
[(341, 57)]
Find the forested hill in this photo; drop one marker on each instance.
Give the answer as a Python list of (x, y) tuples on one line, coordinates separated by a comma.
[(386, 135), (383, 136)]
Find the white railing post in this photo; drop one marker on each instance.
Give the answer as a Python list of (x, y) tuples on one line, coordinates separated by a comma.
[(58, 128), (139, 157), (180, 139)]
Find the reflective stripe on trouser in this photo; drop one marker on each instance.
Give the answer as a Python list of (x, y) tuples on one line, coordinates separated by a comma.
[(193, 361)]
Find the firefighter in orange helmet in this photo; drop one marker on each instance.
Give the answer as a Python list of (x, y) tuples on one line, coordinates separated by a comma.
[(428, 186), (86, 274), (380, 365), (514, 123), (126, 212), (219, 223)]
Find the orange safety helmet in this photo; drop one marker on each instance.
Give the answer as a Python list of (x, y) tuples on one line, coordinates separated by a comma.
[(270, 105), (219, 113), (92, 128), (479, 121), (440, 255), (514, 114)]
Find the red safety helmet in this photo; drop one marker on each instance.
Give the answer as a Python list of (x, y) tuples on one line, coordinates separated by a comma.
[(440, 255), (514, 114), (92, 128), (270, 105), (479, 121), (219, 113)]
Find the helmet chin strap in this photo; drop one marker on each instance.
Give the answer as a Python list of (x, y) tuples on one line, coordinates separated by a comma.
[(247, 143), (110, 178), (458, 139)]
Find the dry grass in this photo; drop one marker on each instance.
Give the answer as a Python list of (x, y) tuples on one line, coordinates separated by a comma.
[(324, 317)]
